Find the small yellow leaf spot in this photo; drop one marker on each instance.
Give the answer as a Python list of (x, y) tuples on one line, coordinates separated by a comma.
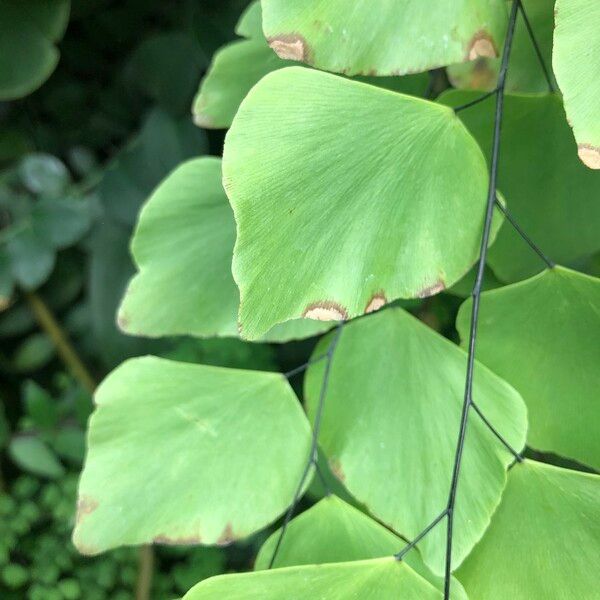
[(589, 155)]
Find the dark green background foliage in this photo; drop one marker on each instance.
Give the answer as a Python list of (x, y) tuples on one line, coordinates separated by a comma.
[(78, 157), (108, 112)]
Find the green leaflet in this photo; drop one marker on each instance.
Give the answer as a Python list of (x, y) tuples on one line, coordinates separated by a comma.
[(28, 32), (183, 246), (524, 71), (213, 455), (544, 539), (33, 455), (250, 22), (552, 196), (31, 258), (238, 66), (576, 61), (543, 336), (347, 196), (330, 531), (379, 579), (44, 175), (234, 70), (399, 37), (333, 531), (33, 353), (391, 422)]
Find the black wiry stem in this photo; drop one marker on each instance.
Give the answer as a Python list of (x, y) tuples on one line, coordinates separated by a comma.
[(421, 535), (500, 437), (304, 366), (477, 100), (313, 455), (536, 46), (549, 263), (468, 398)]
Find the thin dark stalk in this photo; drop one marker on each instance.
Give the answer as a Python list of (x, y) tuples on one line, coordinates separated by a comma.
[(421, 535), (536, 46), (145, 573), (468, 397), (500, 437), (313, 454), (476, 101), (304, 366), (549, 263), (60, 339)]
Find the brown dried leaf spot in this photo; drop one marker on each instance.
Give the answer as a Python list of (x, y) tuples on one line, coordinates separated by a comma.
[(481, 45), (376, 302), (336, 468), (589, 155), (290, 47), (432, 290), (85, 506), (227, 537), (192, 540), (325, 311)]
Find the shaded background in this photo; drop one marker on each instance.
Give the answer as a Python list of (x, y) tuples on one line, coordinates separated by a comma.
[(78, 157)]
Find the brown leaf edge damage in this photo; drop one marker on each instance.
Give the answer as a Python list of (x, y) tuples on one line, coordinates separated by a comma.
[(325, 311), (290, 46), (481, 45), (85, 506), (589, 155), (376, 302), (227, 537), (432, 290), (166, 540)]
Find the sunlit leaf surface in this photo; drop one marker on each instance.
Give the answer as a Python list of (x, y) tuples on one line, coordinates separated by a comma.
[(390, 427)]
